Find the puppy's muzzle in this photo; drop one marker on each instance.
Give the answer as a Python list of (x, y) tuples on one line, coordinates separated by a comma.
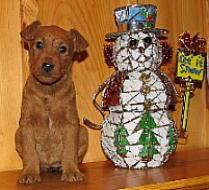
[(47, 67)]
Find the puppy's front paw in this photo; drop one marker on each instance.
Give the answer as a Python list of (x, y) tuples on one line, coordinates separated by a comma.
[(27, 179), (72, 177)]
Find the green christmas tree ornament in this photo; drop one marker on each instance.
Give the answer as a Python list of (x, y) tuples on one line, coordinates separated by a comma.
[(120, 139), (148, 138)]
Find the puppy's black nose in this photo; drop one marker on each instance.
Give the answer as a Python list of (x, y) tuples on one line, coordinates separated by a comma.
[(47, 67)]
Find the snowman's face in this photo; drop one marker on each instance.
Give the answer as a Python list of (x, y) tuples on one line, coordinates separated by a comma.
[(137, 50)]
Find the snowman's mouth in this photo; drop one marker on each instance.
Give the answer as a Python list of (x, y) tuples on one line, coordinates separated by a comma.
[(141, 49)]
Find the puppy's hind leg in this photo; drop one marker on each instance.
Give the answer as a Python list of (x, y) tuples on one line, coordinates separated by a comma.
[(18, 142), (83, 143)]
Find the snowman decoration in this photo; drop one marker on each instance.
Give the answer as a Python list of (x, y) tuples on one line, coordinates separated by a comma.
[(138, 131)]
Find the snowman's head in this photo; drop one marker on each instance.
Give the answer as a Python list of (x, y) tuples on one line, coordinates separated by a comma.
[(137, 50)]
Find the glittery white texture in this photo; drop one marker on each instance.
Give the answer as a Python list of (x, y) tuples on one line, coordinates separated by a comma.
[(134, 54), (115, 108), (162, 150), (131, 121), (121, 42), (140, 165), (133, 139), (134, 150), (158, 86), (134, 65), (131, 98), (130, 116), (164, 120), (162, 131), (134, 75), (158, 157), (115, 117), (134, 108), (118, 161), (162, 97), (130, 161), (148, 64), (109, 150), (152, 95), (161, 134), (108, 129), (164, 142), (141, 59), (153, 164), (159, 98), (131, 85), (161, 118), (149, 51), (153, 78), (121, 15)]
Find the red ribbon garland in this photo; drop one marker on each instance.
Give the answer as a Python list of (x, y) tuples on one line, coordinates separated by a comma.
[(194, 44)]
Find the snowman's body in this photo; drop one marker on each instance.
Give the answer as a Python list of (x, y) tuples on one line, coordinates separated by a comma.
[(139, 131)]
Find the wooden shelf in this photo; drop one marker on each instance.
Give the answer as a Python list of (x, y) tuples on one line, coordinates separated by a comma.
[(104, 176)]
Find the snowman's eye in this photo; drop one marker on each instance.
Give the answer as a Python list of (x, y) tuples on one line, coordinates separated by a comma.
[(133, 43), (147, 40)]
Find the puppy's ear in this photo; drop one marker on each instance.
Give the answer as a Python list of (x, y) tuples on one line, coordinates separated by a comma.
[(80, 44), (28, 33)]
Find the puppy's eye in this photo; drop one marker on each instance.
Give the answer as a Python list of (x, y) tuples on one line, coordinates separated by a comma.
[(39, 45), (62, 49), (147, 40), (133, 43)]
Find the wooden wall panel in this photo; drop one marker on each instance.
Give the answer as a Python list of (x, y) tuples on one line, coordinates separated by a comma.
[(10, 81), (93, 18), (29, 13)]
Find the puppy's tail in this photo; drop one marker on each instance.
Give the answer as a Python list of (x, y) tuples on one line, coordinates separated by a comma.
[(91, 124)]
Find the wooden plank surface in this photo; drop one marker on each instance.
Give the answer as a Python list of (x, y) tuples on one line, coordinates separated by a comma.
[(104, 176), (190, 183), (93, 19)]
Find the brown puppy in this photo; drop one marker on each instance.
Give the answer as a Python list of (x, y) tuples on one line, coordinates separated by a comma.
[(50, 134)]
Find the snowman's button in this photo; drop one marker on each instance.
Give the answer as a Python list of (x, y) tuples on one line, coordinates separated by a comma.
[(148, 104), (145, 89), (144, 77)]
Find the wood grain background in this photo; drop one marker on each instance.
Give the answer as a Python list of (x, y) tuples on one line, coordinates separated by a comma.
[(93, 18)]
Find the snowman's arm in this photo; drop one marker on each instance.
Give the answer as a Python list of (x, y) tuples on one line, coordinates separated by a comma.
[(170, 90), (97, 105), (86, 121)]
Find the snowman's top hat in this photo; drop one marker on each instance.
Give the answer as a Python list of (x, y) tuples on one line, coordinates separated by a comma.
[(137, 17)]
